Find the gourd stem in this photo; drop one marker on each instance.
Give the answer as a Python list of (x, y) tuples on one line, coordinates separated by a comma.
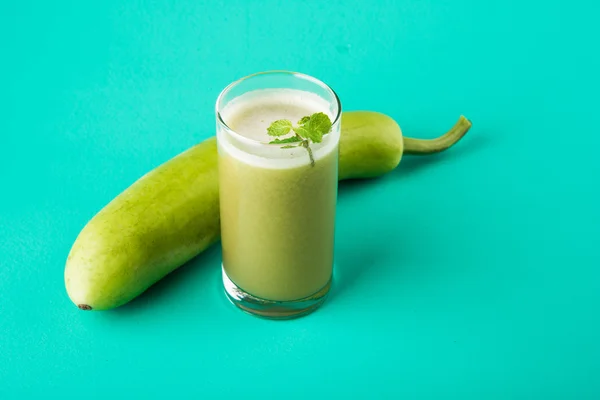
[(447, 140)]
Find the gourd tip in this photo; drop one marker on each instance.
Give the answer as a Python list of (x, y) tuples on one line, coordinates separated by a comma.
[(84, 307)]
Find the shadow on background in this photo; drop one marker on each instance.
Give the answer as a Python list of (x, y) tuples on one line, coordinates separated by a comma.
[(356, 261), (411, 164), (199, 275)]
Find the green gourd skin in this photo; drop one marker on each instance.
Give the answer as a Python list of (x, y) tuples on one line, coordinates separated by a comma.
[(171, 214), (157, 224), (371, 145)]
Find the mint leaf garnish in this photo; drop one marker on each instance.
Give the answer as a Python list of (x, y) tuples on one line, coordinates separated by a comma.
[(291, 139), (280, 127), (319, 125), (302, 132), (304, 120), (307, 133), (309, 129)]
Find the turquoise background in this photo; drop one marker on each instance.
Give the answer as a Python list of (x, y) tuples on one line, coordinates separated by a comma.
[(473, 274)]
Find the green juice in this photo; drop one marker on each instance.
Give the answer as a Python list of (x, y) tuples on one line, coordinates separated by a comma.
[(277, 209)]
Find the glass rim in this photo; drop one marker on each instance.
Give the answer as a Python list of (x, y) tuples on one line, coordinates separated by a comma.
[(229, 87)]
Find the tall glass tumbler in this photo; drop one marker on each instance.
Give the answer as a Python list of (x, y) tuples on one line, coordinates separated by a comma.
[(277, 200)]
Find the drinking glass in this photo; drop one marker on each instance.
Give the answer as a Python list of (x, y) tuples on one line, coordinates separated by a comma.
[(277, 201)]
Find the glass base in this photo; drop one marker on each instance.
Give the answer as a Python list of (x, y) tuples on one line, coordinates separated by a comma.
[(273, 309)]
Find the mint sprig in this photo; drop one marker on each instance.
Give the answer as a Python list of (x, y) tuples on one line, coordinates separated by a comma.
[(310, 129)]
